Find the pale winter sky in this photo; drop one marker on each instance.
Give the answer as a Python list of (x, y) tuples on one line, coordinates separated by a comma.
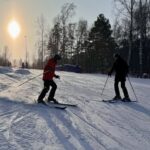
[(26, 12)]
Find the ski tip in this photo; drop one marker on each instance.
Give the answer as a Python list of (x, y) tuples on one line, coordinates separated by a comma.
[(120, 100), (63, 108)]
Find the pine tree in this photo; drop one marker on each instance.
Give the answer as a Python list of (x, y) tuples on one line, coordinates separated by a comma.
[(102, 46)]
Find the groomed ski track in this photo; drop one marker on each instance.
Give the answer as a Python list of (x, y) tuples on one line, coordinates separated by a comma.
[(93, 125)]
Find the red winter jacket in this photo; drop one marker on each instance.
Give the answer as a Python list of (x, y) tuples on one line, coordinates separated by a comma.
[(49, 69)]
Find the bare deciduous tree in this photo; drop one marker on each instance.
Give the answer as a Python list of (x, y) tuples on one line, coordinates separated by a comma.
[(128, 7), (81, 37), (41, 31), (67, 11)]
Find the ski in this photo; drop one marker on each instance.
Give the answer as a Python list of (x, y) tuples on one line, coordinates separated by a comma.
[(116, 101), (56, 106), (53, 106), (62, 104), (111, 101)]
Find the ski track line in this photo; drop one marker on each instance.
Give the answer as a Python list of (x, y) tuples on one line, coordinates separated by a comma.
[(106, 133), (78, 109), (84, 92), (16, 80), (130, 123), (11, 138), (132, 117), (4, 76), (99, 116), (93, 91), (75, 132), (92, 111), (57, 131), (119, 125), (22, 129), (8, 134), (5, 145), (88, 132)]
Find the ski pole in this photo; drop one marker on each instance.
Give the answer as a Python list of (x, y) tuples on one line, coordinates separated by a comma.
[(104, 85), (32, 78), (132, 89)]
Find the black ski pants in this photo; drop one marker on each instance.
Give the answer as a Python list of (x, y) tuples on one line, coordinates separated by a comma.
[(47, 84), (124, 89)]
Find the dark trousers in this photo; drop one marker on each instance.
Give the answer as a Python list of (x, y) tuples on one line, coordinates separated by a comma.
[(124, 89), (47, 84)]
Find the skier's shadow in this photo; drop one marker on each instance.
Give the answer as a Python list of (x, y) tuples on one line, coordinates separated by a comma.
[(56, 130), (139, 108), (9, 104), (76, 133)]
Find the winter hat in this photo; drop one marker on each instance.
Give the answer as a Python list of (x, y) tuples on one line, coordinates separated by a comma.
[(57, 57)]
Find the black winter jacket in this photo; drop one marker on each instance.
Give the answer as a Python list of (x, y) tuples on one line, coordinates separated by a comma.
[(120, 67)]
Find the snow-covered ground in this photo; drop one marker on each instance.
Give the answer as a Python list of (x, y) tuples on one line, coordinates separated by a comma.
[(93, 125)]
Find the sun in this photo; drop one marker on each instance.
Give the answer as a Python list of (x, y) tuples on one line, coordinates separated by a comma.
[(14, 29)]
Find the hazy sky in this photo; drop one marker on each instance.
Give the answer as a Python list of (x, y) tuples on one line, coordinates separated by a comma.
[(26, 12)]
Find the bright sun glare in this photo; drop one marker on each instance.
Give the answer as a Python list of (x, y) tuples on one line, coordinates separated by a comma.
[(14, 29)]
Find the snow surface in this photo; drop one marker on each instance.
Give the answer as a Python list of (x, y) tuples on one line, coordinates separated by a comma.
[(93, 125)]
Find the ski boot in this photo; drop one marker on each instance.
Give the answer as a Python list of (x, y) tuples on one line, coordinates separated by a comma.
[(53, 100), (41, 102), (117, 98), (126, 99)]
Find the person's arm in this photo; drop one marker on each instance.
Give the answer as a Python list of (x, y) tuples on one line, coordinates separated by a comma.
[(112, 69), (127, 69)]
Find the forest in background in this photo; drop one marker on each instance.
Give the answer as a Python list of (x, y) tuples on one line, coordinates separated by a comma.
[(92, 46)]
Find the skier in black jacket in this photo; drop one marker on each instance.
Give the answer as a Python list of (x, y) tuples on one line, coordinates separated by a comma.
[(121, 69)]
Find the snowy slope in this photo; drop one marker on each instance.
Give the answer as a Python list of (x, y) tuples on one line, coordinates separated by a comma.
[(94, 125)]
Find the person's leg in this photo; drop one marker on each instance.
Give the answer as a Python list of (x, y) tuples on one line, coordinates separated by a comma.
[(53, 90), (125, 92), (116, 87), (44, 91)]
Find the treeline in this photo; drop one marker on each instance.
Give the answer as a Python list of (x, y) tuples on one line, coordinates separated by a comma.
[(132, 34), (4, 57), (93, 47)]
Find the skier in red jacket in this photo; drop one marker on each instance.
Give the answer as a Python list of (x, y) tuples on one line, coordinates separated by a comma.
[(48, 74)]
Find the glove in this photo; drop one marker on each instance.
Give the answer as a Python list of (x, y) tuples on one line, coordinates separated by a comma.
[(57, 76)]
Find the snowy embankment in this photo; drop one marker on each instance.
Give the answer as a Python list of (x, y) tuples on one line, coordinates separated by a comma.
[(94, 125)]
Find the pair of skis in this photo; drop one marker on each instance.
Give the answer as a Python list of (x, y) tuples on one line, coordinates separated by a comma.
[(65, 105)]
